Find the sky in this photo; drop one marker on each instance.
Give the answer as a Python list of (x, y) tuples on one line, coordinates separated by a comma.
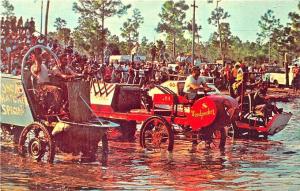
[(244, 15)]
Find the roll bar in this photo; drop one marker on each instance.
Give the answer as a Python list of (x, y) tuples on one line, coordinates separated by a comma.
[(29, 52)]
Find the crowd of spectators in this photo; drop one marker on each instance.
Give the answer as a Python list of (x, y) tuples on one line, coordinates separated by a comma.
[(17, 37)]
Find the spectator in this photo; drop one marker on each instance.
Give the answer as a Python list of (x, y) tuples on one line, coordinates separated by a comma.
[(20, 25), (134, 51), (31, 26), (296, 76), (26, 25), (153, 53)]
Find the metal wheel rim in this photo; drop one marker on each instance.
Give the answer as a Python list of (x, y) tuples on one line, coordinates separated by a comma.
[(156, 135), (34, 136)]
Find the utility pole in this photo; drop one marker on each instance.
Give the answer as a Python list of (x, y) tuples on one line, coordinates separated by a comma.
[(193, 28), (41, 27), (269, 50), (46, 18), (219, 30), (102, 32)]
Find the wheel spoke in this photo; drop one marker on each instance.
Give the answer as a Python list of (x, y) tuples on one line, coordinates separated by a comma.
[(156, 135)]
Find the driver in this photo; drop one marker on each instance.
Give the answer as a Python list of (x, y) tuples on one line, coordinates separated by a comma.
[(194, 83), (63, 71), (48, 95), (262, 105)]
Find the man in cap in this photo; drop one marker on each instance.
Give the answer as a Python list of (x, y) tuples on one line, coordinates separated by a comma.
[(62, 69), (194, 83)]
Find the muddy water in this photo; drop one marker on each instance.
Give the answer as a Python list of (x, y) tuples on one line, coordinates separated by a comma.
[(245, 165)]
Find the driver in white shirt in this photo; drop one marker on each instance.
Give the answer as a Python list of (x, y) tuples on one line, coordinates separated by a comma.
[(194, 83), (48, 96)]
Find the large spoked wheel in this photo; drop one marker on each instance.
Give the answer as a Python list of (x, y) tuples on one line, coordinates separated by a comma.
[(36, 142), (156, 133)]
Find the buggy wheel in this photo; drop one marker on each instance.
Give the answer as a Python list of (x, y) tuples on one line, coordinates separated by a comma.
[(36, 142), (156, 133)]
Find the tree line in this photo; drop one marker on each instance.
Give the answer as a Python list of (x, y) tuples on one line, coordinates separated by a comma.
[(91, 36)]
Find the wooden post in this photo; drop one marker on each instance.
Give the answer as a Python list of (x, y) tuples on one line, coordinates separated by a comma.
[(193, 28), (286, 65), (41, 27), (46, 18)]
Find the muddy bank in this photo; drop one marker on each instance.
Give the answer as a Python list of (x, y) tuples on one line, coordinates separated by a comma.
[(284, 93), (279, 94)]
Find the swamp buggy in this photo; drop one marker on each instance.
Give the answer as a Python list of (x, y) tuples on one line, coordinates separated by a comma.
[(165, 116), (38, 134)]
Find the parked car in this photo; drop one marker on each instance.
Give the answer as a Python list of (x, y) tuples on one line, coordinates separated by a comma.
[(276, 76), (126, 58)]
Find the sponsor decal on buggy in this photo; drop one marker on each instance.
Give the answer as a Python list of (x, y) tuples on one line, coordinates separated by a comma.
[(202, 113), (12, 99)]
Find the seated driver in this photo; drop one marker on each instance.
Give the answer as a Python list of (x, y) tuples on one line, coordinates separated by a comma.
[(263, 105), (63, 71), (49, 96), (194, 83)]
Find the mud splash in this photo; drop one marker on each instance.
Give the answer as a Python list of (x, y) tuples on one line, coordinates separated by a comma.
[(245, 165)]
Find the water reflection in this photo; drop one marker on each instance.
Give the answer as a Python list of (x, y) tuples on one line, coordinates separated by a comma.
[(244, 165)]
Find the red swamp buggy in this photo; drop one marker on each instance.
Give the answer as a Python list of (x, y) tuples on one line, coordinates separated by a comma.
[(165, 116), (258, 119)]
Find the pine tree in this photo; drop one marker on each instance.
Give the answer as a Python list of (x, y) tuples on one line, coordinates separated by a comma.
[(129, 31), (173, 16), (217, 16), (8, 8), (95, 13)]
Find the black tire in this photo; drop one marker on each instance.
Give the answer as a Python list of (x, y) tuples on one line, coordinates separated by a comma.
[(156, 133), (40, 147)]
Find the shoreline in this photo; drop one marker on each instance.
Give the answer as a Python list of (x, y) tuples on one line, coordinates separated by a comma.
[(279, 94)]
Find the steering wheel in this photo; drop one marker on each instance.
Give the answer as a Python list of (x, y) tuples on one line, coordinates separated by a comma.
[(205, 90)]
